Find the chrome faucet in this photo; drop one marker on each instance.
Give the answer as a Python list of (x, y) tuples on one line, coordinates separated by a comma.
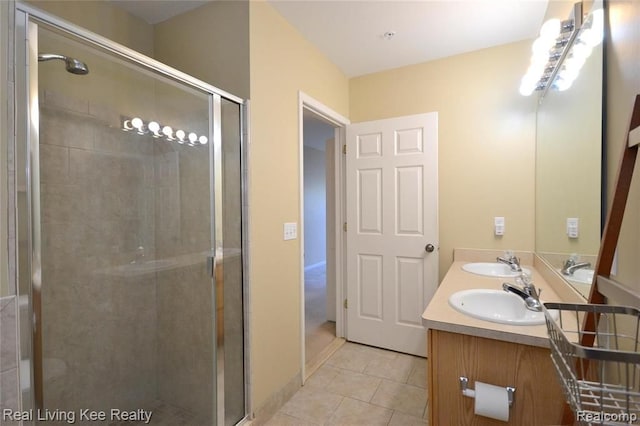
[(570, 266), (139, 255), (527, 291), (511, 260)]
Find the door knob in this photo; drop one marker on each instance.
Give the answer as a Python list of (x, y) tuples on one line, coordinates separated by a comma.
[(429, 248)]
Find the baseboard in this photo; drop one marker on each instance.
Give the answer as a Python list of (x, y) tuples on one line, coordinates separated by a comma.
[(315, 363), (271, 406)]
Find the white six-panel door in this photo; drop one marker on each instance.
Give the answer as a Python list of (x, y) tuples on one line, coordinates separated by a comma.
[(392, 223)]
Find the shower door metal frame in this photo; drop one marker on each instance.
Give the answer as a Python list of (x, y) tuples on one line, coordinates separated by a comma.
[(26, 143)]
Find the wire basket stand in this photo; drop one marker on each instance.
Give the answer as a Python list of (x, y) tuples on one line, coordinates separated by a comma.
[(601, 383)]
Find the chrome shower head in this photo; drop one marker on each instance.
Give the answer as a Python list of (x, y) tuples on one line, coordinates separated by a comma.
[(72, 65)]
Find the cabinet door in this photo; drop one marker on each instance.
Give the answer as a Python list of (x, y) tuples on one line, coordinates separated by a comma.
[(538, 397)]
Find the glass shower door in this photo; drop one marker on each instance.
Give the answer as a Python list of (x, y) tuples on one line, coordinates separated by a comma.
[(231, 321), (126, 324)]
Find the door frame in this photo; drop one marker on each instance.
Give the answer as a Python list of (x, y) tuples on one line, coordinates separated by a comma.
[(306, 102)]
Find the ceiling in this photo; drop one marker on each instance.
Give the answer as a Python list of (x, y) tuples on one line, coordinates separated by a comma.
[(156, 11), (351, 33)]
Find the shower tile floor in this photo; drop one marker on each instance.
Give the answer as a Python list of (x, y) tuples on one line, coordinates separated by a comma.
[(360, 385)]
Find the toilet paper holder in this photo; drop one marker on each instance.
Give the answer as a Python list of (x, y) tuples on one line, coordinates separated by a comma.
[(464, 387)]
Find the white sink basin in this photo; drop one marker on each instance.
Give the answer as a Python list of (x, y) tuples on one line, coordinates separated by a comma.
[(581, 276), (495, 306), (492, 269)]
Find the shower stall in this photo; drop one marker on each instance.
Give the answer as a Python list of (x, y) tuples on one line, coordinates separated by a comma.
[(130, 233)]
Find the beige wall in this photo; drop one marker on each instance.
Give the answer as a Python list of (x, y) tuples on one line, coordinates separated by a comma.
[(623, 84), (282, 63), (210, 43), (486, 140), (105, 19)]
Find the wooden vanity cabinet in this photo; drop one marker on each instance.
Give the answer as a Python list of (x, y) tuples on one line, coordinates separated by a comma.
[(538, 397)]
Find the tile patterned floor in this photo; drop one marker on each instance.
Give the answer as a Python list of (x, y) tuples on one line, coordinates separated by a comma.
[(360, 385)]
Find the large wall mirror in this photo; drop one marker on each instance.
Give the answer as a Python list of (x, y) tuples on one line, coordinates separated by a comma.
[(569, 172)]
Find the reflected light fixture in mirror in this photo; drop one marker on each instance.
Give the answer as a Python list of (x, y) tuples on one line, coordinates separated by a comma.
[(588, 37), (162, 132), (548, 50), (561, 50)]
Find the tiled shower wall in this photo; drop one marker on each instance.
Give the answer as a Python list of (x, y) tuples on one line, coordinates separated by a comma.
[(97, 208), (184, 294), (113, 336)]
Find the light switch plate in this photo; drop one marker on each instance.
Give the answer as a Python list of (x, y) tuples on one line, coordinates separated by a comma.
[(498, 225), (290, 231), (572, 227)]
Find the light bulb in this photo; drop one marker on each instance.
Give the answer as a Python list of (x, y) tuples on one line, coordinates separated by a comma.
[(581, 51), (193, 137), (569, 73), (595, 33), (526, 90), (137, 123), (527, 85), (574, 63), (591, 36), (537, 67), (180, 135), (203, 140), (550, 30), (154, 128), (541, 47), (168, 132), (562, 84)]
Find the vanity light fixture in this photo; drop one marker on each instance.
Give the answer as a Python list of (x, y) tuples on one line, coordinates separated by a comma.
[(159, 131), (560, 51)]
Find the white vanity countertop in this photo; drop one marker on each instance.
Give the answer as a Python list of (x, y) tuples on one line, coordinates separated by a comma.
[(439, 315)]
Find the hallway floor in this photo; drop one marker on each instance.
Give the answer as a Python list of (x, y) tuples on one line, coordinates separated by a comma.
[(360, 385), (319, 333)]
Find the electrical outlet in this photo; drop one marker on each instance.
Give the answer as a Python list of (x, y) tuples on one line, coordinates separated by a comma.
[(290, 231)]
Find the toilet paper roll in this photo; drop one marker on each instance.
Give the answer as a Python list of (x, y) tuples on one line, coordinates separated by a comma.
[(492, 401)]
